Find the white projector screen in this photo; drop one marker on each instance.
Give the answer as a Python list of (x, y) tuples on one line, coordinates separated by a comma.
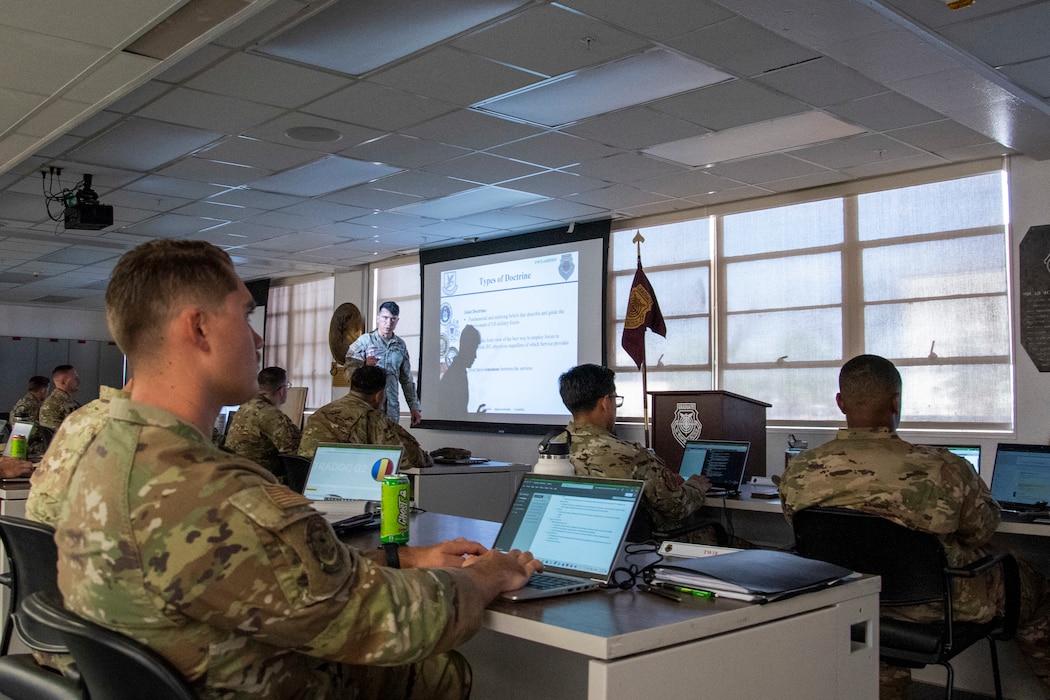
[(514, 313)]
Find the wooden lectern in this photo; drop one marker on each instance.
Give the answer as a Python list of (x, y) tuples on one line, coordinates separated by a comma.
[(708, 415)]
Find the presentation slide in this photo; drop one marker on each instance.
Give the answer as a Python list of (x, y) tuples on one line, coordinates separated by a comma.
[(499, 329)]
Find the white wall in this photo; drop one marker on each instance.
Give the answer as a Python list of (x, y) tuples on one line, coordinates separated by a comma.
[(53, 322)]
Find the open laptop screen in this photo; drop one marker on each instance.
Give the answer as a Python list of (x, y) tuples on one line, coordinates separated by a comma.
[(721, 461), (18, 428), (1021, 476), (573, 524), (350, 472), (971, 453)]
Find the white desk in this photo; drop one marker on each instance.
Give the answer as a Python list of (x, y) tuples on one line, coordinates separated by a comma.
[(627, 644)]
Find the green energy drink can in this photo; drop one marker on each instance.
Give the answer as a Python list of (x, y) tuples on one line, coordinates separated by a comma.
[(18, 446), (393, 516)]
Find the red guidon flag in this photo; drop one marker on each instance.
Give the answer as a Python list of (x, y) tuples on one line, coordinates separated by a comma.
[(643, 311)]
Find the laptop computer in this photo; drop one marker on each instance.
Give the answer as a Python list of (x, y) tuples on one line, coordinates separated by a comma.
[(345, 480), (971, 453), (721, 461), (1021, 478), (575, 525), (23, 428)]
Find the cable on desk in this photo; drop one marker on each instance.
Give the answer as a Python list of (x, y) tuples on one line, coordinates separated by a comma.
[(628, 576)]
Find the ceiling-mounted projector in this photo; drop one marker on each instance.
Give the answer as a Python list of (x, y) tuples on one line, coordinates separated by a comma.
[(86, 214)]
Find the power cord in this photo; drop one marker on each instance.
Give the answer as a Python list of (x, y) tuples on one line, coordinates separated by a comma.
[(633, 573)]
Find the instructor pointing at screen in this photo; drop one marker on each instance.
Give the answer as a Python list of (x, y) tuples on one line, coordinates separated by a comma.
[(381, 348)]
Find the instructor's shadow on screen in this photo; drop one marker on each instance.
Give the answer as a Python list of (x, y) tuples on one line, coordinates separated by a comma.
[(455, 387)]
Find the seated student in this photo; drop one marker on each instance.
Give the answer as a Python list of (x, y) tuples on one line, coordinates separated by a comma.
[(869, 468), (27, 408), (589, 392), (60, 402), (260, 430), (202, 556), (357, 418)]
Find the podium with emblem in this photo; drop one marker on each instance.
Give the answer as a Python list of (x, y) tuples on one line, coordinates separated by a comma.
[(679, 416)]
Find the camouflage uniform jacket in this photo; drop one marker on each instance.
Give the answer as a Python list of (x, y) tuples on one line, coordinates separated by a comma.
[(28, 406), (351, 419), (55, 408), (260, 431), (49, 484), (922, 488), (393, 359), (234, 578), (597, 452)]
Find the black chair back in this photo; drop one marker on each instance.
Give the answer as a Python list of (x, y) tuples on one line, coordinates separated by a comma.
[(113, 666), (21, 678), (33, 559), (911, 563), (295, 470)]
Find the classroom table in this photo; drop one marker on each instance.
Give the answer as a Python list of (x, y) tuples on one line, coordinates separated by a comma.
[(615, 644)]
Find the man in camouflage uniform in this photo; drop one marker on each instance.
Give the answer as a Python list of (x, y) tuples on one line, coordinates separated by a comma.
[(356, 419), (589, 392), (27, 408), (869, 468), (381, 348), (202, 556), (60, 402), (260, 430)]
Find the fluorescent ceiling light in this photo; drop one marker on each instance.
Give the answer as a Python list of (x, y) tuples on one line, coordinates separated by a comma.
[(362, 35), (323, 176), (622, 83), (755, 139), (470, 202)]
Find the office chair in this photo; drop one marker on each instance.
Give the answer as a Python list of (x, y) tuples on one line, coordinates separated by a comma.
[(21, 678), (295, 469), (32, 559), (643, 530), (112, 665), (914, 570)]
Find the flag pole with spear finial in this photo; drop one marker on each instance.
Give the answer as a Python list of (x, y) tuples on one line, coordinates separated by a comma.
[(643, 311)]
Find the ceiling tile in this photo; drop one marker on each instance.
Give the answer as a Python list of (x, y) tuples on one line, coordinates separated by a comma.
[(791, 184), (422, 184), (556, 184), (470, 202), (372, 198), (635, 128), (821, 82), (660, 19), (142, 144), (15, 104), (553, 149), (403, 151), (302, 240), (259, 154), (472, 130), (139, 97), (551, 41), (41, 64), (204, 170), (885, 111), (626, 167), (378, 107), (206, 111), (208, 209), (883, 167), (247, 197), (159, 184), (261, 23), (259, 79), (169, 226), (483, 168), (95, 123), (730, 104), (768, 168), (616, 197), (685, 184), (276, 132), (192, 64), (742, 47), (439, 74), (1025, 27), (1032, 75), (325, 175), (854, 151), (939, 136), (330, 211)]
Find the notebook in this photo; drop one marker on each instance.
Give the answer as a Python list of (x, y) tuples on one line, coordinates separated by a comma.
[(19, 428), (346, 480), (575, 525), (721, 461), (1021, 478)]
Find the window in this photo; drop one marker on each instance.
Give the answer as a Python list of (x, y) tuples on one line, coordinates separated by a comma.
[(917, 274), (296, 338), (400, 283)]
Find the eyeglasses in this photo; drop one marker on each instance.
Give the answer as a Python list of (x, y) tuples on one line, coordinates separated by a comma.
[(287, 385), (618, 399)]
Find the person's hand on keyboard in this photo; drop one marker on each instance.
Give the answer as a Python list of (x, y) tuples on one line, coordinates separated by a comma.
[(495, 572), (441, 555)]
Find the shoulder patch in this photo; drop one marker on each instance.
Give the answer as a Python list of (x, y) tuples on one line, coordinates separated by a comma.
[(284, 497)]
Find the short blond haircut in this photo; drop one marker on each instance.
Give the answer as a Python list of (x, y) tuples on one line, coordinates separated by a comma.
[(153, 282)]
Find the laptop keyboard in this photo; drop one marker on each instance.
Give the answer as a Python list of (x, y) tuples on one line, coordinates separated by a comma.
[(544, 581)]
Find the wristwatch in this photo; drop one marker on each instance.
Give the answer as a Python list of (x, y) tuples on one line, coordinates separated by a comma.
[(393, 559)]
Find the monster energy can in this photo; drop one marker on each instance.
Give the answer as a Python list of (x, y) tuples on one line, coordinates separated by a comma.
[(18, 446), (393, 523)]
